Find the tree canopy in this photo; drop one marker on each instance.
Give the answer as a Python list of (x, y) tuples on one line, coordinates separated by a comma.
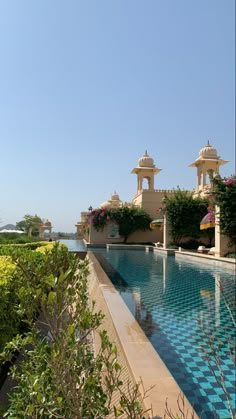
[(30, 224)]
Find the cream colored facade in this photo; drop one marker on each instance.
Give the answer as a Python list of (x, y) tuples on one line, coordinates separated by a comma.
[(150, 199), (104, 237)]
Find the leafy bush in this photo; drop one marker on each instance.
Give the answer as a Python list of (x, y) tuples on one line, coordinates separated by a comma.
[(9, 320), (27, 245), (18, 305), (224, 194), (129, 219), (60, 376), (184, 214), (15, 238)]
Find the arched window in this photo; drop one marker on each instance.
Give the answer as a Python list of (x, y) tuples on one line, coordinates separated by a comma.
[(146, 183)]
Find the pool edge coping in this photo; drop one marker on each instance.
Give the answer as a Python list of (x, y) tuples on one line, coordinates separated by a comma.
[(142, 359)]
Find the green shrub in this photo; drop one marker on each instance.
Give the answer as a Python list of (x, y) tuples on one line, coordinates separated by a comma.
[(60, 376), (184, 214), (15, 238), (224, 194), (28, 245), (9, 320)]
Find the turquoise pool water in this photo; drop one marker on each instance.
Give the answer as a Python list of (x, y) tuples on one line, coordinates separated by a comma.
[(181, 308)]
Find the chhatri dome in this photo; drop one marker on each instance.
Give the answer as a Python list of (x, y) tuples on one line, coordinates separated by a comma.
[(146, 169), (114, 202), (208, 165), (208, 153), (146, 161)]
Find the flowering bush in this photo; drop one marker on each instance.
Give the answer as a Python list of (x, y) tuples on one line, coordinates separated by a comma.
[(128, 219), (211, 209), (211, 216), (99, 218)]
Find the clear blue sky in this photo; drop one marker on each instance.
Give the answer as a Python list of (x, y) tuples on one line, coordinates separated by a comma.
[(87, 86)]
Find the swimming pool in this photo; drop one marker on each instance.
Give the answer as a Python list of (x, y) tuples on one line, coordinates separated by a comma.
[(181, 309)]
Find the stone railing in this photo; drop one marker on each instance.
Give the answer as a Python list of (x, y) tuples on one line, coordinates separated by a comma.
[(163, 191), (158, 190)]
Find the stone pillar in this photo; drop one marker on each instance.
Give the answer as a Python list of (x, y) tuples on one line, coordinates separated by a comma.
[(151, 183), (140, 184), (203, 178), (198, 179), (217, 232), (166, 233), (41, 233), (221, 242)]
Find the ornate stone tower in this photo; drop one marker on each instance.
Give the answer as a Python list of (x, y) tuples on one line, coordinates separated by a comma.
[(208, 164), (147, 198), (146, 169)]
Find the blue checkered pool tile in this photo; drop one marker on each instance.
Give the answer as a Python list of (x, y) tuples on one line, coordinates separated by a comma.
[(181, 308)]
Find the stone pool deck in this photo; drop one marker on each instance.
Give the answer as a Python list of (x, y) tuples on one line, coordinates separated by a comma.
[(136, 354), (215, 262), (190, 256)]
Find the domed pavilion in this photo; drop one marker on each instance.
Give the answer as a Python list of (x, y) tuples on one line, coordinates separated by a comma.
[(208, 165), (148, 197), (113, 202)]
